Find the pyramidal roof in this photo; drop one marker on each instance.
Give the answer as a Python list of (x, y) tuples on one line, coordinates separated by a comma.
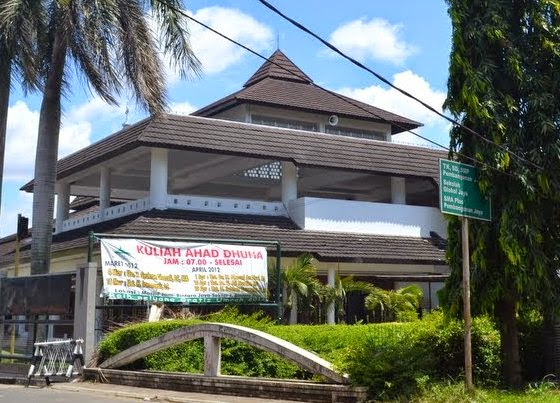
[(279, 67), (279, 83)]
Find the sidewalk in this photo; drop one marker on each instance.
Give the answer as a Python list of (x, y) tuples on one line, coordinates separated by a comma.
[(146, 394), (143, 394)]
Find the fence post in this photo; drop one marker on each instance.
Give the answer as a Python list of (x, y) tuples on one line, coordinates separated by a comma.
[(84, 307)]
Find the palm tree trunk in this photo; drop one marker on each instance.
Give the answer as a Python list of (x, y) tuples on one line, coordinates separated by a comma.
[(5, 77), (46, 158), (294, 309)]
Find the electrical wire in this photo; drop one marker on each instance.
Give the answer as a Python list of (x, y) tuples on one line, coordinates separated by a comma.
[(384, 80), (345, 99)]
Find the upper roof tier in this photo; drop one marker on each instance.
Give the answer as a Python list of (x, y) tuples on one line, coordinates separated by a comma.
[(281, 84), (224, 137)]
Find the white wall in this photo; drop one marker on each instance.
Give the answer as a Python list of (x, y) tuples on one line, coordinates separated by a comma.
[(366, 217)]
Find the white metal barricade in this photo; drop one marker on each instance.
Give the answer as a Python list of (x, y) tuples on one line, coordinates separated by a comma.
[(57, 358)]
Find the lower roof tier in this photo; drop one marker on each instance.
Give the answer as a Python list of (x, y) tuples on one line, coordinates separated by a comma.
[(325, 246)]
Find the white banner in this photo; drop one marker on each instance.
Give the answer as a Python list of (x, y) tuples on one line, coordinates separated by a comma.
[(169, 271)]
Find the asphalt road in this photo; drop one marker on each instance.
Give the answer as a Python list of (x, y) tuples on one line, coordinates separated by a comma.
[(106, 393)]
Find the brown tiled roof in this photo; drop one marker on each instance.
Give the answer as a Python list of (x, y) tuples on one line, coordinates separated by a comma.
[(326, 246), (288, 87), (81, 203), (280, 67), (242, 139)]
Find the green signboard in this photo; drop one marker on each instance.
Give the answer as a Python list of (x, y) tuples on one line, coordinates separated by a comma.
[(459, 193)]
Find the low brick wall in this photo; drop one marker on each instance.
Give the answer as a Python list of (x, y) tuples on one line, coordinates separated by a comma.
[(231, 385)]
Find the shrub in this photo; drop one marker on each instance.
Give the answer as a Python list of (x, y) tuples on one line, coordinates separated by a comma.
[(391, 359), (430, 349)]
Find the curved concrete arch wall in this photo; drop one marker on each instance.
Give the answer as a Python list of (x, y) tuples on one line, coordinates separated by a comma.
[(212, 333)]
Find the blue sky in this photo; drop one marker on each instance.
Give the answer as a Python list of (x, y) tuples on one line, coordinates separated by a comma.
[(406, 41)]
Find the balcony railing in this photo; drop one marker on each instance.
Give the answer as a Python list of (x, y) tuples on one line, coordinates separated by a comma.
[(179, 202), (308, 213), (366, 217)]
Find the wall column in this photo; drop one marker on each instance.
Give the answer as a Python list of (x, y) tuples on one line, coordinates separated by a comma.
[(84, 308), (158, 178), (289, 182), (104, 190), (212, 355), (331, 278), (62, 204), (398, 190)]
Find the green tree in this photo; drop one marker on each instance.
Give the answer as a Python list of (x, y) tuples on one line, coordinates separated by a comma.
[(300, 282), (18, 57), (394, 305), (111, 46), (339, 293), (504, 81)]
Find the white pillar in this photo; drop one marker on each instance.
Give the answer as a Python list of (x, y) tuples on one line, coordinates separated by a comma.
[(158, 178), (398, 190), (62, 204), (104, 190), (289, 182), (212, 355), (84, 307), (331, 277)]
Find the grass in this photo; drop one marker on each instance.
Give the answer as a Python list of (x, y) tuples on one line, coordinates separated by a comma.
[(542, 392)]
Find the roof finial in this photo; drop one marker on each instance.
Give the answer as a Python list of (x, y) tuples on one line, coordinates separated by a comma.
[(125, 124), (277, 40)]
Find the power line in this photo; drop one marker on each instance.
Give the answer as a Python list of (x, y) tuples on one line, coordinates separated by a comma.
[(384, 80), (336, 94), (345, 99)]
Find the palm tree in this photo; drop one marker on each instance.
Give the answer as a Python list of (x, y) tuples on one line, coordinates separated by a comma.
[(18, 57), (392, 304), (111, 45), (339, 293), (300, 281)]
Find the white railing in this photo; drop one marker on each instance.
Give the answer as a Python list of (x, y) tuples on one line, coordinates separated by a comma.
[(121, 210), (309, 213), (179, 202), (225, 205), (312, 213)]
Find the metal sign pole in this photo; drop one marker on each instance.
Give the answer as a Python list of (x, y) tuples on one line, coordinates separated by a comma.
[(467, 304)]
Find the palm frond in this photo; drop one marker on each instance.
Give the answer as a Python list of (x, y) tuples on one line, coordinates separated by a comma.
[(175, 36)]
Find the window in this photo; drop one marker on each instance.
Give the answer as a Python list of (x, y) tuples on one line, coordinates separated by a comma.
[(352, 132), (285, 123)]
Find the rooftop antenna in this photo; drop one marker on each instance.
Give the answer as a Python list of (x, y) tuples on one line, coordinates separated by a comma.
[(277, 40)]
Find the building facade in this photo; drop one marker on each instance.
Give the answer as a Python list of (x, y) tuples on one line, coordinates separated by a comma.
[(282, 159)]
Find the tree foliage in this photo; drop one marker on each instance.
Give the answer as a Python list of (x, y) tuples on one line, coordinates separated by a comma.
[(300, 284), (393, 305), (19, 57), (504, 83), (112, 46)]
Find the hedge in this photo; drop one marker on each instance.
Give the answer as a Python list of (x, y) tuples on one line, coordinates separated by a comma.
[(391, 359)]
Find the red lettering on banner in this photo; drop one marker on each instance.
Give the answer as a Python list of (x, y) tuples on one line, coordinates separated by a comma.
[(243, 254), (157, 251), (191, 252)]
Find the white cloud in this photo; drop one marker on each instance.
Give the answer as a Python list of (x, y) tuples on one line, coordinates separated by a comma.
[(94, 109), (182, 108), (435, 127), (375, 39), (18, 203), (216, 53), (21, 137), (21, 142)]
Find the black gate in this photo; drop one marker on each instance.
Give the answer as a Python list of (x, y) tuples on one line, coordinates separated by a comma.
[(33, 309)]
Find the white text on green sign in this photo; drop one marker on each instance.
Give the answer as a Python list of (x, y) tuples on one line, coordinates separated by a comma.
[(459, 191)]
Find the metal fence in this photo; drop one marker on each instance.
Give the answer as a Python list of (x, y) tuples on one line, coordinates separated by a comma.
[(19, 333)]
